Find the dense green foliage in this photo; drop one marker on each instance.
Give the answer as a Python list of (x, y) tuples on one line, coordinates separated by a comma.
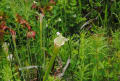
[(27, 45)]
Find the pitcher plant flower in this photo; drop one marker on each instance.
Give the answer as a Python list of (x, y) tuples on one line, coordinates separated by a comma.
[(49, 8), (13, 33), (52, 2), (31, 34), (3, 27), (23, 22), (60, 40)]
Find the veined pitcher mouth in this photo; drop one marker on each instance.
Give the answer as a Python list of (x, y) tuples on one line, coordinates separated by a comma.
[(60, 40)]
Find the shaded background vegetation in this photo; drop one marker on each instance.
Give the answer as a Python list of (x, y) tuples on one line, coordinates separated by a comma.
[(92, 27)]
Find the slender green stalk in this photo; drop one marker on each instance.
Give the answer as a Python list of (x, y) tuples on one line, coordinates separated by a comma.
[(16, 54), (55, 52), (91, 3), (106, 15), (41, 37), (80, 6)]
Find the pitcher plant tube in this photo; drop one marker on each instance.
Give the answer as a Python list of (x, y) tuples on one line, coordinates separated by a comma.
[(58, 42)]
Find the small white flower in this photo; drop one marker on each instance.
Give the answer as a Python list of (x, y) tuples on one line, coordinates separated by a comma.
[(59, 19), (10, 57), (8, 7), (58, 33), (74, 15), (60, 40), (5, 47), (46, 25), (35, 2)]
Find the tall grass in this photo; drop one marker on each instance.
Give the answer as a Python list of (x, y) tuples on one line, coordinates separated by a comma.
[(94, 51)]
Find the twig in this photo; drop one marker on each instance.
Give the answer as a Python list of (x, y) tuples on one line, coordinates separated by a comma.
[(64, 69), (28, 67), (89, 21), (86, 23), (88, 14), (34, 79)]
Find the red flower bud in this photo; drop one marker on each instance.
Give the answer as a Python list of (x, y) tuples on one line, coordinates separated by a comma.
[(3, 26), (12, 32), (49, 8), (28, 26), (42, 11), (34, 6), (31, 34), (52, 2), (23, 22), (1, 17)]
